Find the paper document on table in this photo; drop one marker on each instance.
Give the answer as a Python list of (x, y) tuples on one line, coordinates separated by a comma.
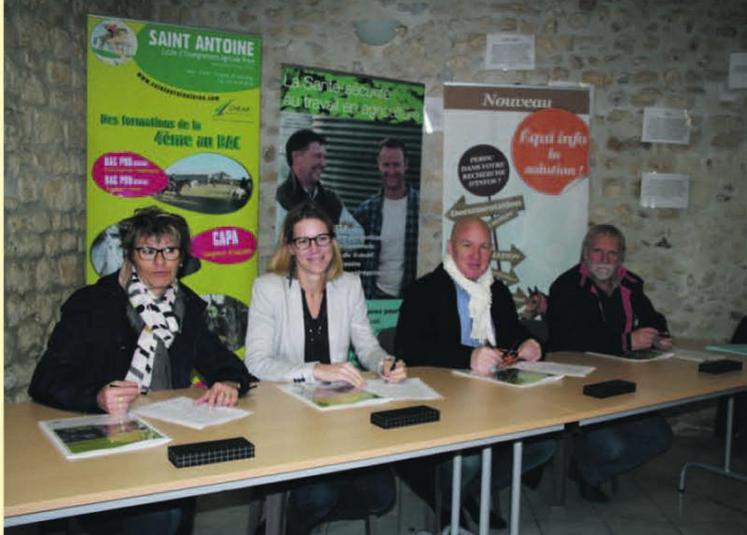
[(102, 434), (183, 411), (555, 368), (512, 376), (641, 355), (332, 396), (734, 349), (694, 356), (412, 388)]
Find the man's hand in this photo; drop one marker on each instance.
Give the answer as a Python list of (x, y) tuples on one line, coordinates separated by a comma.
[(530, 350), (663, 341), (343, 371), (643, 338), (116, 397), (220, 395), (484, 360)]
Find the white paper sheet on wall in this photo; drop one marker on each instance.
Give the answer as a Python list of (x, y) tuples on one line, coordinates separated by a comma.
[(666, 125), (509, 52), (664, 190)]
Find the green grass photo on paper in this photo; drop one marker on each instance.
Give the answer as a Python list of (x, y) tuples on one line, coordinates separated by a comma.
[(519, 377), (340, 395), (88, 438)]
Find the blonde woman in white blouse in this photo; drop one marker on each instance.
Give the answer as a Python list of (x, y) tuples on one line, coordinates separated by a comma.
[(303, 317)]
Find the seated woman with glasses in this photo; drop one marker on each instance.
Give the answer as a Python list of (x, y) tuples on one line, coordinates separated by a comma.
[(303, 316), (137, 330)]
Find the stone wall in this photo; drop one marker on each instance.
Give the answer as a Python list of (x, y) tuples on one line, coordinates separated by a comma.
[(45, 160), (635, 53)]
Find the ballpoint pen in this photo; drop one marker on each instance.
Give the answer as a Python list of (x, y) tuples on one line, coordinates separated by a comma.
[(508, 356), (386, 365), (512, 355)]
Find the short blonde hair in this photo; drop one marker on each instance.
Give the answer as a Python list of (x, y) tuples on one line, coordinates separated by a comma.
[(283, 262)]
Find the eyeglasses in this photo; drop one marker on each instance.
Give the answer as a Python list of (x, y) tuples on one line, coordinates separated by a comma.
[(321, 240), (150, 253)]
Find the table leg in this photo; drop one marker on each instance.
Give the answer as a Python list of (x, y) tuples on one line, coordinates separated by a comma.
[(487, 465), (729, 433), (726, 470), (516, 488), (560, 467), (275, 513), (456, 493)]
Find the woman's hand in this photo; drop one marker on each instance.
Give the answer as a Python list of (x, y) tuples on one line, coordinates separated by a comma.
[(220, 395), (343, 371), (393, 371), (116, 397)]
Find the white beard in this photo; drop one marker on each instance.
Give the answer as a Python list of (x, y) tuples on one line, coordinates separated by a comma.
[(602, 272)]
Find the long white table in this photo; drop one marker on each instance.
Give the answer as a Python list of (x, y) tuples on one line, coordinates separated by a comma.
[(293, 440)]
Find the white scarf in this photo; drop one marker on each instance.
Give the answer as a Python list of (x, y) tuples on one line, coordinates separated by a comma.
[(480, 300), (160, 324)]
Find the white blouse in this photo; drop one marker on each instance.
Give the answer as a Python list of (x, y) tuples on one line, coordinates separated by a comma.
[(275, 339)]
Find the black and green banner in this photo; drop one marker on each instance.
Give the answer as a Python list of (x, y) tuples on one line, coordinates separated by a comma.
[(377, 187)]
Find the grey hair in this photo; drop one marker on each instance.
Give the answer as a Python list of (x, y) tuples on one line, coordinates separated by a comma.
[(603, 230)]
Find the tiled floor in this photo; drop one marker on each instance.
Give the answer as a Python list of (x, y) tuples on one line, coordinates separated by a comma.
[(645, 502)]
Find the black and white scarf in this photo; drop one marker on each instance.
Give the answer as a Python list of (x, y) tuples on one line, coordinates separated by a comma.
[(160, 324)]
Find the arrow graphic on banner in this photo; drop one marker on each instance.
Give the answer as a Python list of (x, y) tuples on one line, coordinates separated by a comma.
[(515, 256), (509, 278), (501, 219), (461, 208)]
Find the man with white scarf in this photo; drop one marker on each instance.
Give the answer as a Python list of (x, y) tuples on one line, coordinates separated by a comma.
[(459, 316)]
